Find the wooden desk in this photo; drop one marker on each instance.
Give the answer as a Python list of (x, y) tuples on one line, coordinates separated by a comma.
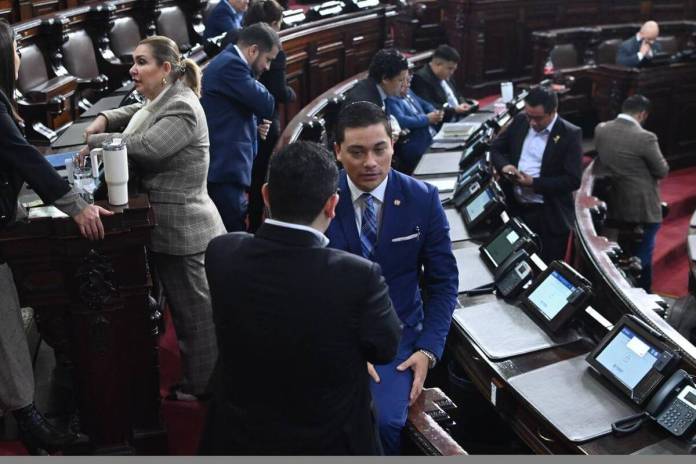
[(91, 303), (672, 91)]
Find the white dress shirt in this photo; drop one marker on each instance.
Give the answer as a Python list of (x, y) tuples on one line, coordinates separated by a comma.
[(628, 117), (359, 202), (291, 225), (241, 55), (451, 96), (530, 161)]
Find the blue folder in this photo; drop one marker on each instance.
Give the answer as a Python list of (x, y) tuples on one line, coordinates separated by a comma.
[(58, 160)]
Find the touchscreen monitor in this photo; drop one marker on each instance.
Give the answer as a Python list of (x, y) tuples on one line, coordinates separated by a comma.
[(634, 358), (478, 204), (628, 357), (502, 245), (557, 295)]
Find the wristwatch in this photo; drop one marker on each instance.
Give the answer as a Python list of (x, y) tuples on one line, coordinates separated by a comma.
[(432, 359)]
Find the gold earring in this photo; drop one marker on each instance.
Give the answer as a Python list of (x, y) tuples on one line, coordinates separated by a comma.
[(164, 81)]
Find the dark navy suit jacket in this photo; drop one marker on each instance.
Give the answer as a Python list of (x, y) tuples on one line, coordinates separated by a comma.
[(413, 240), (233, 100), (627, 54), (223, 18), (419, 138)]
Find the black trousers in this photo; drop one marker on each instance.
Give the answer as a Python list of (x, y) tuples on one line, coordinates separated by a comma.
[(259, 172), (553, 245)]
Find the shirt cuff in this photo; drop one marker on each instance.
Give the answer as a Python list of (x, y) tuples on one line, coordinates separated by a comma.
[(71, 203), (640, 56)]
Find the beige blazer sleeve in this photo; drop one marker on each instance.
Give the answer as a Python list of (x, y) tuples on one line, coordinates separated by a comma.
[(657, 164), (173, 128), (117, 118)]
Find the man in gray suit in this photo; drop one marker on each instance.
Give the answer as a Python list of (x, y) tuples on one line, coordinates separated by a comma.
[(630, 156)]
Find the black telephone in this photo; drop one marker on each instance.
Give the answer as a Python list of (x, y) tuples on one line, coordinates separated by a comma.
[(513, 274), (674, 405)]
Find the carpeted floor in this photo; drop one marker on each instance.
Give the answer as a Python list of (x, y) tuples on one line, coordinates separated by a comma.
[(670, 259)]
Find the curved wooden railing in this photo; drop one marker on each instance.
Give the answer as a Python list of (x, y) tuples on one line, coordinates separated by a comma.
[(615, 294)]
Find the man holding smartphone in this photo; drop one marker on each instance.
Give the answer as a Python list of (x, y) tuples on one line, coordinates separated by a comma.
[(540, 155)]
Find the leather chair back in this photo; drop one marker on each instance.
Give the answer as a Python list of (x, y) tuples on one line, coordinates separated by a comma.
[(172, 23), (564, 56), (606, 51), (78, 55), (33, 71), (124, 37), (669, 44), (209, 7)]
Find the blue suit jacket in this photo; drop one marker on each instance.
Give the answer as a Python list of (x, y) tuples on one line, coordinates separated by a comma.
[(233, 100), (223, 18), (419, 138), (411, 211)]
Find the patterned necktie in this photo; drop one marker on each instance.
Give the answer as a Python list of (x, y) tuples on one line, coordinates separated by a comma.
[(368, 228)]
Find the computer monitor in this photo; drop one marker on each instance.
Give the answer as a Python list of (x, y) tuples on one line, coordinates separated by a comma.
[(634, 358), (510, 237), (557, 295), (482, 206)]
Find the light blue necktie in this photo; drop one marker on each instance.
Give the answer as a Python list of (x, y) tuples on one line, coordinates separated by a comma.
[(368, 228)]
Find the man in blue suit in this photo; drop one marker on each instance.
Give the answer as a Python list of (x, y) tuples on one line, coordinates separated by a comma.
[(226, 16), (420, 118), (398, 222), (640, 48), (233, 101)]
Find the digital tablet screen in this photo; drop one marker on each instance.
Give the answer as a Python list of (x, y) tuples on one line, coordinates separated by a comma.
[(503, 245), (478, 204), (552, 295), (628, 357)]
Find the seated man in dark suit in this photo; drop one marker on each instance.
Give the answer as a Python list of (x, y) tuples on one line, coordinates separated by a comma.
[(433, 82), (225, 17), (420, 118), (296, 323), (640, 48), (386, 75), (540, 154)]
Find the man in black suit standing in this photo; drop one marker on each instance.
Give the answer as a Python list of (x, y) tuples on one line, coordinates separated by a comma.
[(297, 323), (433, 83), (640, 48), (540, 154)]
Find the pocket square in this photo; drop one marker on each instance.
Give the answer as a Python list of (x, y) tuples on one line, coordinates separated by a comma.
[(406, 237)]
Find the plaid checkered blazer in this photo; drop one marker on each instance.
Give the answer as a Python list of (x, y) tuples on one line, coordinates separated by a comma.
[(170, 149)]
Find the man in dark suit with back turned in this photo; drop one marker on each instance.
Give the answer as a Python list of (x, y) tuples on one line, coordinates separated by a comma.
[(234, 101), (433, 83), (540, 154), (298, 322), (640, 48)]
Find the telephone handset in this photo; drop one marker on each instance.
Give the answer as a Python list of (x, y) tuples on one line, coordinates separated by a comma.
[(673, 406), (513, 274)]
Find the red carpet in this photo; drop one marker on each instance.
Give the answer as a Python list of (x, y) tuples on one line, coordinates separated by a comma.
[(670, 259)]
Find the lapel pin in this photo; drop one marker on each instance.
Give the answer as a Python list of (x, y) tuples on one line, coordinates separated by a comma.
[(397, 202), (556, 139)]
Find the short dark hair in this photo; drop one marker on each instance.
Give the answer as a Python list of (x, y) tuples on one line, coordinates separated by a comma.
[(7, 65), (635, 104), (301, 178), (446, 53), (360, 114), (387, 64), (263, 11), (260, 34), (544, 96)]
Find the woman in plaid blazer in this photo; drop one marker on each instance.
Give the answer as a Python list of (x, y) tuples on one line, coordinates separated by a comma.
[(167, 139)]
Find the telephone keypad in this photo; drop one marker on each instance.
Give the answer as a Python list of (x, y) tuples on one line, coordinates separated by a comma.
[(677, 418)]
